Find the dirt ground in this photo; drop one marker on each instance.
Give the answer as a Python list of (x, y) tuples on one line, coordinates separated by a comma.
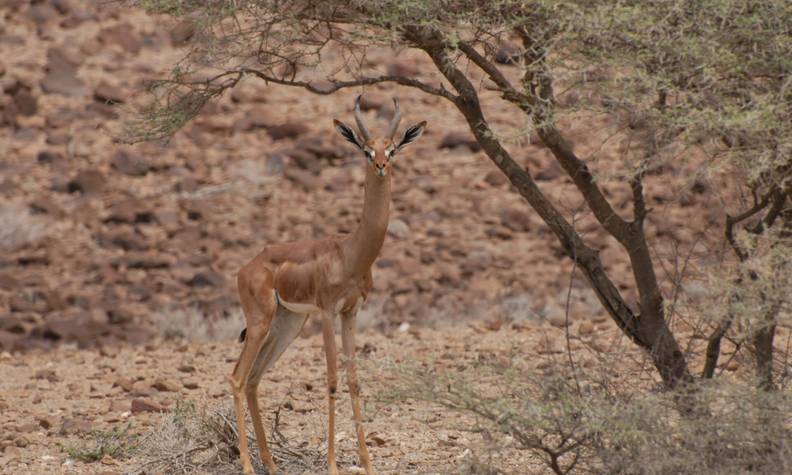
[(51, 401)]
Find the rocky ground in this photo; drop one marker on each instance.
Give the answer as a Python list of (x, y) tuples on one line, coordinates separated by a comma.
[(53, 403)]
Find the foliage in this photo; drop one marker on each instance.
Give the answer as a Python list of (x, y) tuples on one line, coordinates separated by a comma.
[(588, 428), (116, 442)]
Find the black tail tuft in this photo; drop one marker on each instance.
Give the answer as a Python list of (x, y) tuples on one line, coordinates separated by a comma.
[(242, 335)]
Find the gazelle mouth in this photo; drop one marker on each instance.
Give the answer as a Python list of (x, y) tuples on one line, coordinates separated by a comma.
[(381, 172)]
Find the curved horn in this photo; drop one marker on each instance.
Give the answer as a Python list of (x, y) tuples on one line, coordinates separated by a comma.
[(395, 121), (359, 120)]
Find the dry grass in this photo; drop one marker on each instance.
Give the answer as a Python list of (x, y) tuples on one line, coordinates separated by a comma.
[(578, 425), (193, 440)]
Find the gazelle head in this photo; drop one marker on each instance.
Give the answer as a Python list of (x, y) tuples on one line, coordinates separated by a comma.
[(379, 151)]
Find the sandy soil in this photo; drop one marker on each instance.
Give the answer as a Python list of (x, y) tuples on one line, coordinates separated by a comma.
[(53, 400)]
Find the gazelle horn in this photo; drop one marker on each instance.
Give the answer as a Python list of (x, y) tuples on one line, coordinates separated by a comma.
[(359, 120), (395, 121)]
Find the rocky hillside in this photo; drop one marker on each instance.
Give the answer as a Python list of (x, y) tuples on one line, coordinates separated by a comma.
[(101, 243)]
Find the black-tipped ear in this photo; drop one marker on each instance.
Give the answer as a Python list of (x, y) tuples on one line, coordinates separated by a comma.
[(348, 134), (411, 134)]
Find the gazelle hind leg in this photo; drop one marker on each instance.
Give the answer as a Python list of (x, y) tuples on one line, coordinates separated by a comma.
[(284, 329), (240, 382), (259, 312)]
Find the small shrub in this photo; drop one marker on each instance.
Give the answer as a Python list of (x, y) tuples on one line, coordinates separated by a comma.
[(736, 429), (117, 443), (201, 440)]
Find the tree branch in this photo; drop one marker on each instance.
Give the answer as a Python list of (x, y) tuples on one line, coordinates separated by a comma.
[(333, 86), (468, 104)]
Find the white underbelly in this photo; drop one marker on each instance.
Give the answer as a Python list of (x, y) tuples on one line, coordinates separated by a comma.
[(296, 307)]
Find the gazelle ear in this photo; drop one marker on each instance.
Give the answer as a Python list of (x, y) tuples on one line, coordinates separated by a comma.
[(411, 134), (348, 133)]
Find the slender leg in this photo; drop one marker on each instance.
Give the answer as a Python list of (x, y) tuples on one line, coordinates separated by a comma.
[(284, 328), (348, 340), (328, 332), (259, 312), (239, 379), (258, 427)]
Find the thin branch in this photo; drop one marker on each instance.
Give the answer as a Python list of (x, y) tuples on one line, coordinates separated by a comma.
[(521, 100), (332, 86)]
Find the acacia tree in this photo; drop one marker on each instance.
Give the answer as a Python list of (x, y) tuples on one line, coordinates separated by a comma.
[(712, 74)]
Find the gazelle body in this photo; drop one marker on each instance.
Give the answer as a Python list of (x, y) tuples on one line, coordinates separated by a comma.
[(286, 283)]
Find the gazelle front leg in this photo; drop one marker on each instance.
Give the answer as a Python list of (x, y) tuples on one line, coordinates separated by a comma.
[(348, 341), (328, 333)]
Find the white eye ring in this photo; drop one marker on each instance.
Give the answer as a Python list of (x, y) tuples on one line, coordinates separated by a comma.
[(369, 154)]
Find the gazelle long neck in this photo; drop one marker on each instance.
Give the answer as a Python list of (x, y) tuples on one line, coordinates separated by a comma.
[(365, 243)]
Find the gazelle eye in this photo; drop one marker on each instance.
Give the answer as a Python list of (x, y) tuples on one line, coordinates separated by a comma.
[(389, 153), (369, 154)]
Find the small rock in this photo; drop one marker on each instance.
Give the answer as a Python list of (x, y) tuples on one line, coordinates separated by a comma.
[(182, 32), (495, 178), (558, 320), (129, 163), (48, 157), (167, 218), (377, 440), (144, 260), (508, 53), (585, 328), (550, 345), (130, 211), (190, 384), (47, 374), (144, 405), (552, 172), (44, 204), (25, 102), (72, 426), (61, 77), (256, 118), (108, 94), (207, 279), (516, 218), (45, 422), (21, 441), (186, 368), (304, 159), (124, 383), (87, 182), (288, 130), (399, 229), (403, 68), (123, 35), (301, 177), (460, 139), (26, 428), (8, 282), (165, 385), (118, 406)]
